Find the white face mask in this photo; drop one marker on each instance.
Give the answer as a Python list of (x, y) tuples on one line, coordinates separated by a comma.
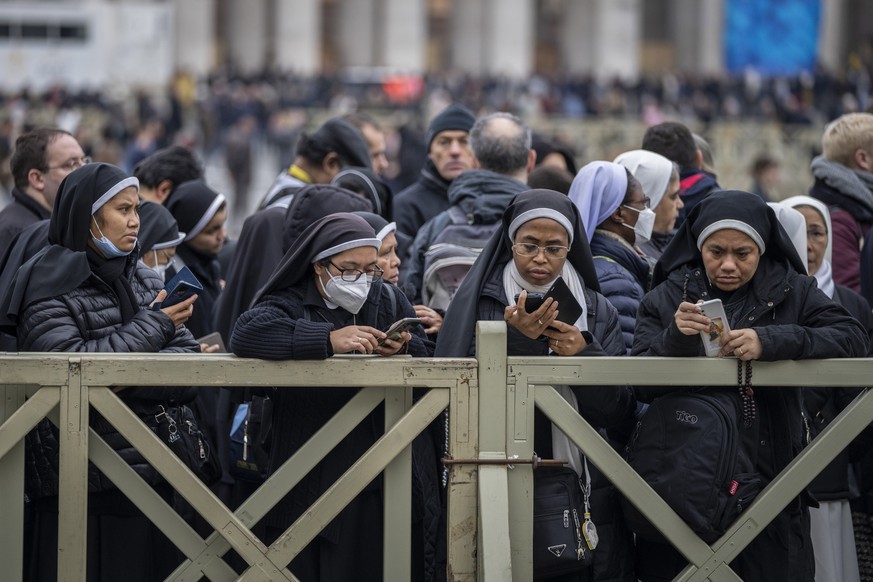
[(160, 269), (645, 223), (350, 295)]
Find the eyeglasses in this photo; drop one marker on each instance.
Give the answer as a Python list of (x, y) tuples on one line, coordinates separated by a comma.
[(646, 203), (532, 250), (171, 259), (72, 164), (352, 275)]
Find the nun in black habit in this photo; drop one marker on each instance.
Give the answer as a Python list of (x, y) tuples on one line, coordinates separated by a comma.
[(158, 237), (326, 298), (201, 213), (732, 247), (86, 292), (542, 237), (262, 246)]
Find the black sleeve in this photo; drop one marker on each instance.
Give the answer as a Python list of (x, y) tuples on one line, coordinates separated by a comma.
[(275, 329)]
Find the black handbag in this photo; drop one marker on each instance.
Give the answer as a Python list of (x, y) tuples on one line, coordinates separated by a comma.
[(563, 533), (177, 427), (250, 439)]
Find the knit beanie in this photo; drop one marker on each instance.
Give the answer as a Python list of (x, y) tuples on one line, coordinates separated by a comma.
[(453, 117)]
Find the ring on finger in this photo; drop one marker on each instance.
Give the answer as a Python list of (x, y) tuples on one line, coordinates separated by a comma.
[(540, 321)]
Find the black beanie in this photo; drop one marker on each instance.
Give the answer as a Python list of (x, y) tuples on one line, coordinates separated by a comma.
[(340, 136), (453, 117)]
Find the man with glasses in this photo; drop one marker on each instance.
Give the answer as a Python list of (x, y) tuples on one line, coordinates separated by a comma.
[(41, 160)]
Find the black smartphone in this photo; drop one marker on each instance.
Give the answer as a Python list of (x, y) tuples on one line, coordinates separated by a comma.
[(533, 301), (569, 309), (399, 326)]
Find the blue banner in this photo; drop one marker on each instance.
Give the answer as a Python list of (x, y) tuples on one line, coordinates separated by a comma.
[(774, 37)]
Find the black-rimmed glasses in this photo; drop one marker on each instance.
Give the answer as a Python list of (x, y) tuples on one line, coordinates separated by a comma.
[(352, 275)]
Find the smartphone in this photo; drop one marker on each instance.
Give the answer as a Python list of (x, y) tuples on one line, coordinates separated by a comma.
[(180, 288), (716, 336), (399, 326), (569, 309), (533, 301)]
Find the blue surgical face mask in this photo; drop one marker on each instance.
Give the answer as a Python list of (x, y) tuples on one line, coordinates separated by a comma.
[(105, 246)]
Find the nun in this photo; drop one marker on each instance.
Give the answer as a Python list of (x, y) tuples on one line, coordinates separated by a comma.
[(659, 178), (617, 216), (731, 247), (158, 237), (833, 539), (87, 292), (389, 262), (543, 238), (201, 213), (261, 250), (326, 297)]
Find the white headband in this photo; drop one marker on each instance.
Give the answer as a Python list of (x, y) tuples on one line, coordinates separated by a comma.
[(207, 216), (109, 194), (170, 243), (352, 244), (540, 213), (388, 229), (732, 225)]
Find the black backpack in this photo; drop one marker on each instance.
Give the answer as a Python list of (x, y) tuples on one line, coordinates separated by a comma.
[(688, 447)]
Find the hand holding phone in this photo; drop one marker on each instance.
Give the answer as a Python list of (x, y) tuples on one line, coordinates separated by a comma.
[(398, 327), (715, 336), (180, 288)]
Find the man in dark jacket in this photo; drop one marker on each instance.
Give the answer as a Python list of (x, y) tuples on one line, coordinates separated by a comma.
[(675, 142), (844, 182), (501, 144), (42, 159), (448, 154)]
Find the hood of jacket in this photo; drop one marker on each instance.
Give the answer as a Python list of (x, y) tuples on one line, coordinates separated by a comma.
[(483, 194)]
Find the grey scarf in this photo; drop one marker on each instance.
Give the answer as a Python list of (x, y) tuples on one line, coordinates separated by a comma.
[(854, 184)]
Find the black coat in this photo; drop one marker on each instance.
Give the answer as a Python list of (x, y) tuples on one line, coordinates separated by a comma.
[(822, 406), (17, 215), (295, 324), (602, 407), (421, 201), (794, 320), (88, 319)]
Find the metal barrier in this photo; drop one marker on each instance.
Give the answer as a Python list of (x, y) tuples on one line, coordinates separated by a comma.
[(491, 402), (506, 432), (62, 386)]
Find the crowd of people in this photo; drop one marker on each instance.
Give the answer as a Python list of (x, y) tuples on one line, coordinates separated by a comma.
[(496, 220)]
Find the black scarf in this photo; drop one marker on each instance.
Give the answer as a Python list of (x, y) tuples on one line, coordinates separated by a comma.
[(113, 273)]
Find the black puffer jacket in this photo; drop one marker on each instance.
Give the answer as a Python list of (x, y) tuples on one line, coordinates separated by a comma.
[(794, 320), (602, 407), (88, 319)]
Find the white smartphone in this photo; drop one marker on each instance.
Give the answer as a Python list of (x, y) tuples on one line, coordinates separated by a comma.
[(714, 339)]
